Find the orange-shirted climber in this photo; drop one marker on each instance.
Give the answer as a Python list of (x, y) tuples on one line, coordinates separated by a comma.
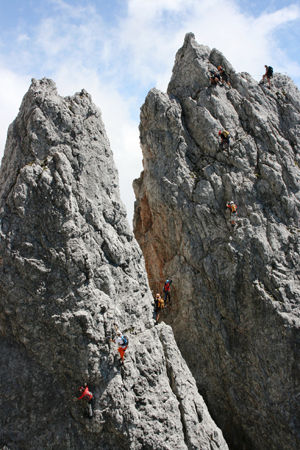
[(215, 78), (159, 305), (122, 342), (225, 139), (223, 75), (233, 212)]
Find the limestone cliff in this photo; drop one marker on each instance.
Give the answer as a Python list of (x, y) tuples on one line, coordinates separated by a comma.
[(69, 270), (236, 291)]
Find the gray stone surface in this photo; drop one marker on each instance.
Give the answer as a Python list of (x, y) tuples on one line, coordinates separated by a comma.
[(235, 294), (70, 269)]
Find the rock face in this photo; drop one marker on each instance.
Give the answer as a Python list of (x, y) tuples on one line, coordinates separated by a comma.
[(235, 292), (69, 270)]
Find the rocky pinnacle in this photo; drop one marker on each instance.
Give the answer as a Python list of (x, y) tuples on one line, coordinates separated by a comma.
[(70, 270), (236, 290)]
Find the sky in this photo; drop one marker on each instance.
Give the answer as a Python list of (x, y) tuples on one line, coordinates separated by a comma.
[(118, 50)]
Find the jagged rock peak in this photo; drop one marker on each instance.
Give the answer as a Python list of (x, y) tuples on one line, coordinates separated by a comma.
[(191, 73), (236, 291), (192, 65), (70, 270)]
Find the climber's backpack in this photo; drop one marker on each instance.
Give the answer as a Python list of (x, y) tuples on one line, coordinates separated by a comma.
[(161, 303), (167, 287), (270, 71), (233, 208), (125, 340)]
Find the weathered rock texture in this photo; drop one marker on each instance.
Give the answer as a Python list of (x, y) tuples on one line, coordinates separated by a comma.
[(235, 304), (70, 269)]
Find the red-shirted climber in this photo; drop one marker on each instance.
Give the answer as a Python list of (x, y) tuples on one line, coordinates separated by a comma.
[(166, 290), (87, 395)]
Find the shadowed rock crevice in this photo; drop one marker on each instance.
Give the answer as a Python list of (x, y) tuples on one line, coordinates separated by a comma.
[(235, 299)]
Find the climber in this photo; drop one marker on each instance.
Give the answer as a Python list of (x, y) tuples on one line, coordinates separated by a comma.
[(122, 342), (268, 74), (87, 395), (225, 139), (223, 75), (159, 305), (166, 291), (214, 78), (233, 212)]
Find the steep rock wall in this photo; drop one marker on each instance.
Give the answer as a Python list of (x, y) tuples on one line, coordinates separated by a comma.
[(69, 270), (235, 293)]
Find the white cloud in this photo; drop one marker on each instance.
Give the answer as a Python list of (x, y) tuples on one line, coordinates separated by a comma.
[(23, 37), (269, 21), (246, 41), (13, 88)]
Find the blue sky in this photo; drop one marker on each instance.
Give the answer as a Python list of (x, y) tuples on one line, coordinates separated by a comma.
[(119, 49)]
